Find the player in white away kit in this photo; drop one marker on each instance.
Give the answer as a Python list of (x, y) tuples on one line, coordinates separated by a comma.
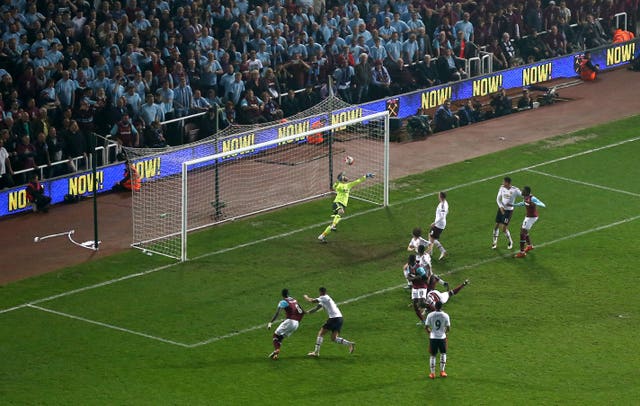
[(438, 225), (438, 325), (414, 244), (333, 324), (506, 198)]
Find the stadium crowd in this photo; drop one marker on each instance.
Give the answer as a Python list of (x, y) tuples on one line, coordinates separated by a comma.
[(72, 68)]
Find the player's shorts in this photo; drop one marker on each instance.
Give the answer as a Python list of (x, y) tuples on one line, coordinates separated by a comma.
[(287, 327), (435, 232), (337, 207), (503, 218), (529, 222), (418, 293), (333, 324), (437, 345)]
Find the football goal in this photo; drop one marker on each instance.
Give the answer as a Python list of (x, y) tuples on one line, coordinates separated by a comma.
[(258, 170)]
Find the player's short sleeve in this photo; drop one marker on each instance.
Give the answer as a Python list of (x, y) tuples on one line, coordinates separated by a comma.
[(283, 304), (323, 301)]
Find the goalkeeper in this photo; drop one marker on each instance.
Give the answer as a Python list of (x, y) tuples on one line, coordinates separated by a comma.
[(342, 188)]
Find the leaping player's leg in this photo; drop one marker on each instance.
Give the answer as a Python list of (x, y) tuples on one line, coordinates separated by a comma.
[(339, 340)]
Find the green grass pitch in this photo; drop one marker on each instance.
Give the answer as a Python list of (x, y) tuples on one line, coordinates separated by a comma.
[(557, 327)]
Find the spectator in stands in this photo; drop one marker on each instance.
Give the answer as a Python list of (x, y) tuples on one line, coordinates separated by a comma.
[(308, 98), (76, 146), (450, 67), (380, 81), (444, 118), (125, 133), (533, 46), (42, 157), (509, 51), (592, 33), (440, 43), (362, 79), (290, 104), (427, 74), (402, 79), (56, 148), (25, 154), (6, 170), (252, 107), (154, 137), (229, 114), (199, 104), (465, 26), (533, 17), (271, 110), (343, 76)]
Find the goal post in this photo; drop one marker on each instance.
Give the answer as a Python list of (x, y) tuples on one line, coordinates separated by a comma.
[(300, 162)]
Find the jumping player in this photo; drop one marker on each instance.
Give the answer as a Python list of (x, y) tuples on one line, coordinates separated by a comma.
[(294, 314), (507, 195), (342, 188), (418, 278), (531, 204), (417, 240), (333, 324)]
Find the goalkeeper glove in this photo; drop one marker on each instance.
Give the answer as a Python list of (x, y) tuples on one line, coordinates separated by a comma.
[(269, 326), (369, 175)]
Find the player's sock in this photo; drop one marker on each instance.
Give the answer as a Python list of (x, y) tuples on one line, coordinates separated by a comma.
[(528, 240), (496, 233), (336, 220), (343, 341), (432, 364), (437, 244), (508, 235), (523, 239), (277, 341), (457, 289), (418, 313), (318, 344), (443, 362), (326, 231)]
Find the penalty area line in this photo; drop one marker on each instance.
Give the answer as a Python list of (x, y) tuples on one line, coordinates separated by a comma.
[(110, 326)]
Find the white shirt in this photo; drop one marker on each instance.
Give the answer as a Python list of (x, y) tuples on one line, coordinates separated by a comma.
[(329, 305), (441, 215), (438, 321), (3, 159), (507, 197), (425, 261), (418, 241)]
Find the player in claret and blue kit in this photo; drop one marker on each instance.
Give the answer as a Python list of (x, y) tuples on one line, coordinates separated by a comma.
[(294, 314), (531, 204)]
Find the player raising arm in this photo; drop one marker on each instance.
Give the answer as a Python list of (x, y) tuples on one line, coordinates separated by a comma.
[(342, 188), (294, 314), (333, 324), (531, 204)]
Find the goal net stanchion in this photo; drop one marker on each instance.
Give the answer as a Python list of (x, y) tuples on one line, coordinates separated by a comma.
[(261, 176)]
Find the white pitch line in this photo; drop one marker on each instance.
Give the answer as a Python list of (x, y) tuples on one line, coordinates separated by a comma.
[(455, 270), (593, 185), (110, 326), (254, 242)]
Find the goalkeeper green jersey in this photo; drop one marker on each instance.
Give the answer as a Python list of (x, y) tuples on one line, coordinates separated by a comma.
[(343, 189)]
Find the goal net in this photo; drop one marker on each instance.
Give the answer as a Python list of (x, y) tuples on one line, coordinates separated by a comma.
[(256, 170)]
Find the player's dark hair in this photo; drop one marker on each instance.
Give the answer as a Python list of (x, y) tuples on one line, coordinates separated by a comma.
[(323, 290), (507, 179), (443, 195), (526, 190), (438, 305), (412, 259), (417, 232), (285, 292), (421, 249)]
